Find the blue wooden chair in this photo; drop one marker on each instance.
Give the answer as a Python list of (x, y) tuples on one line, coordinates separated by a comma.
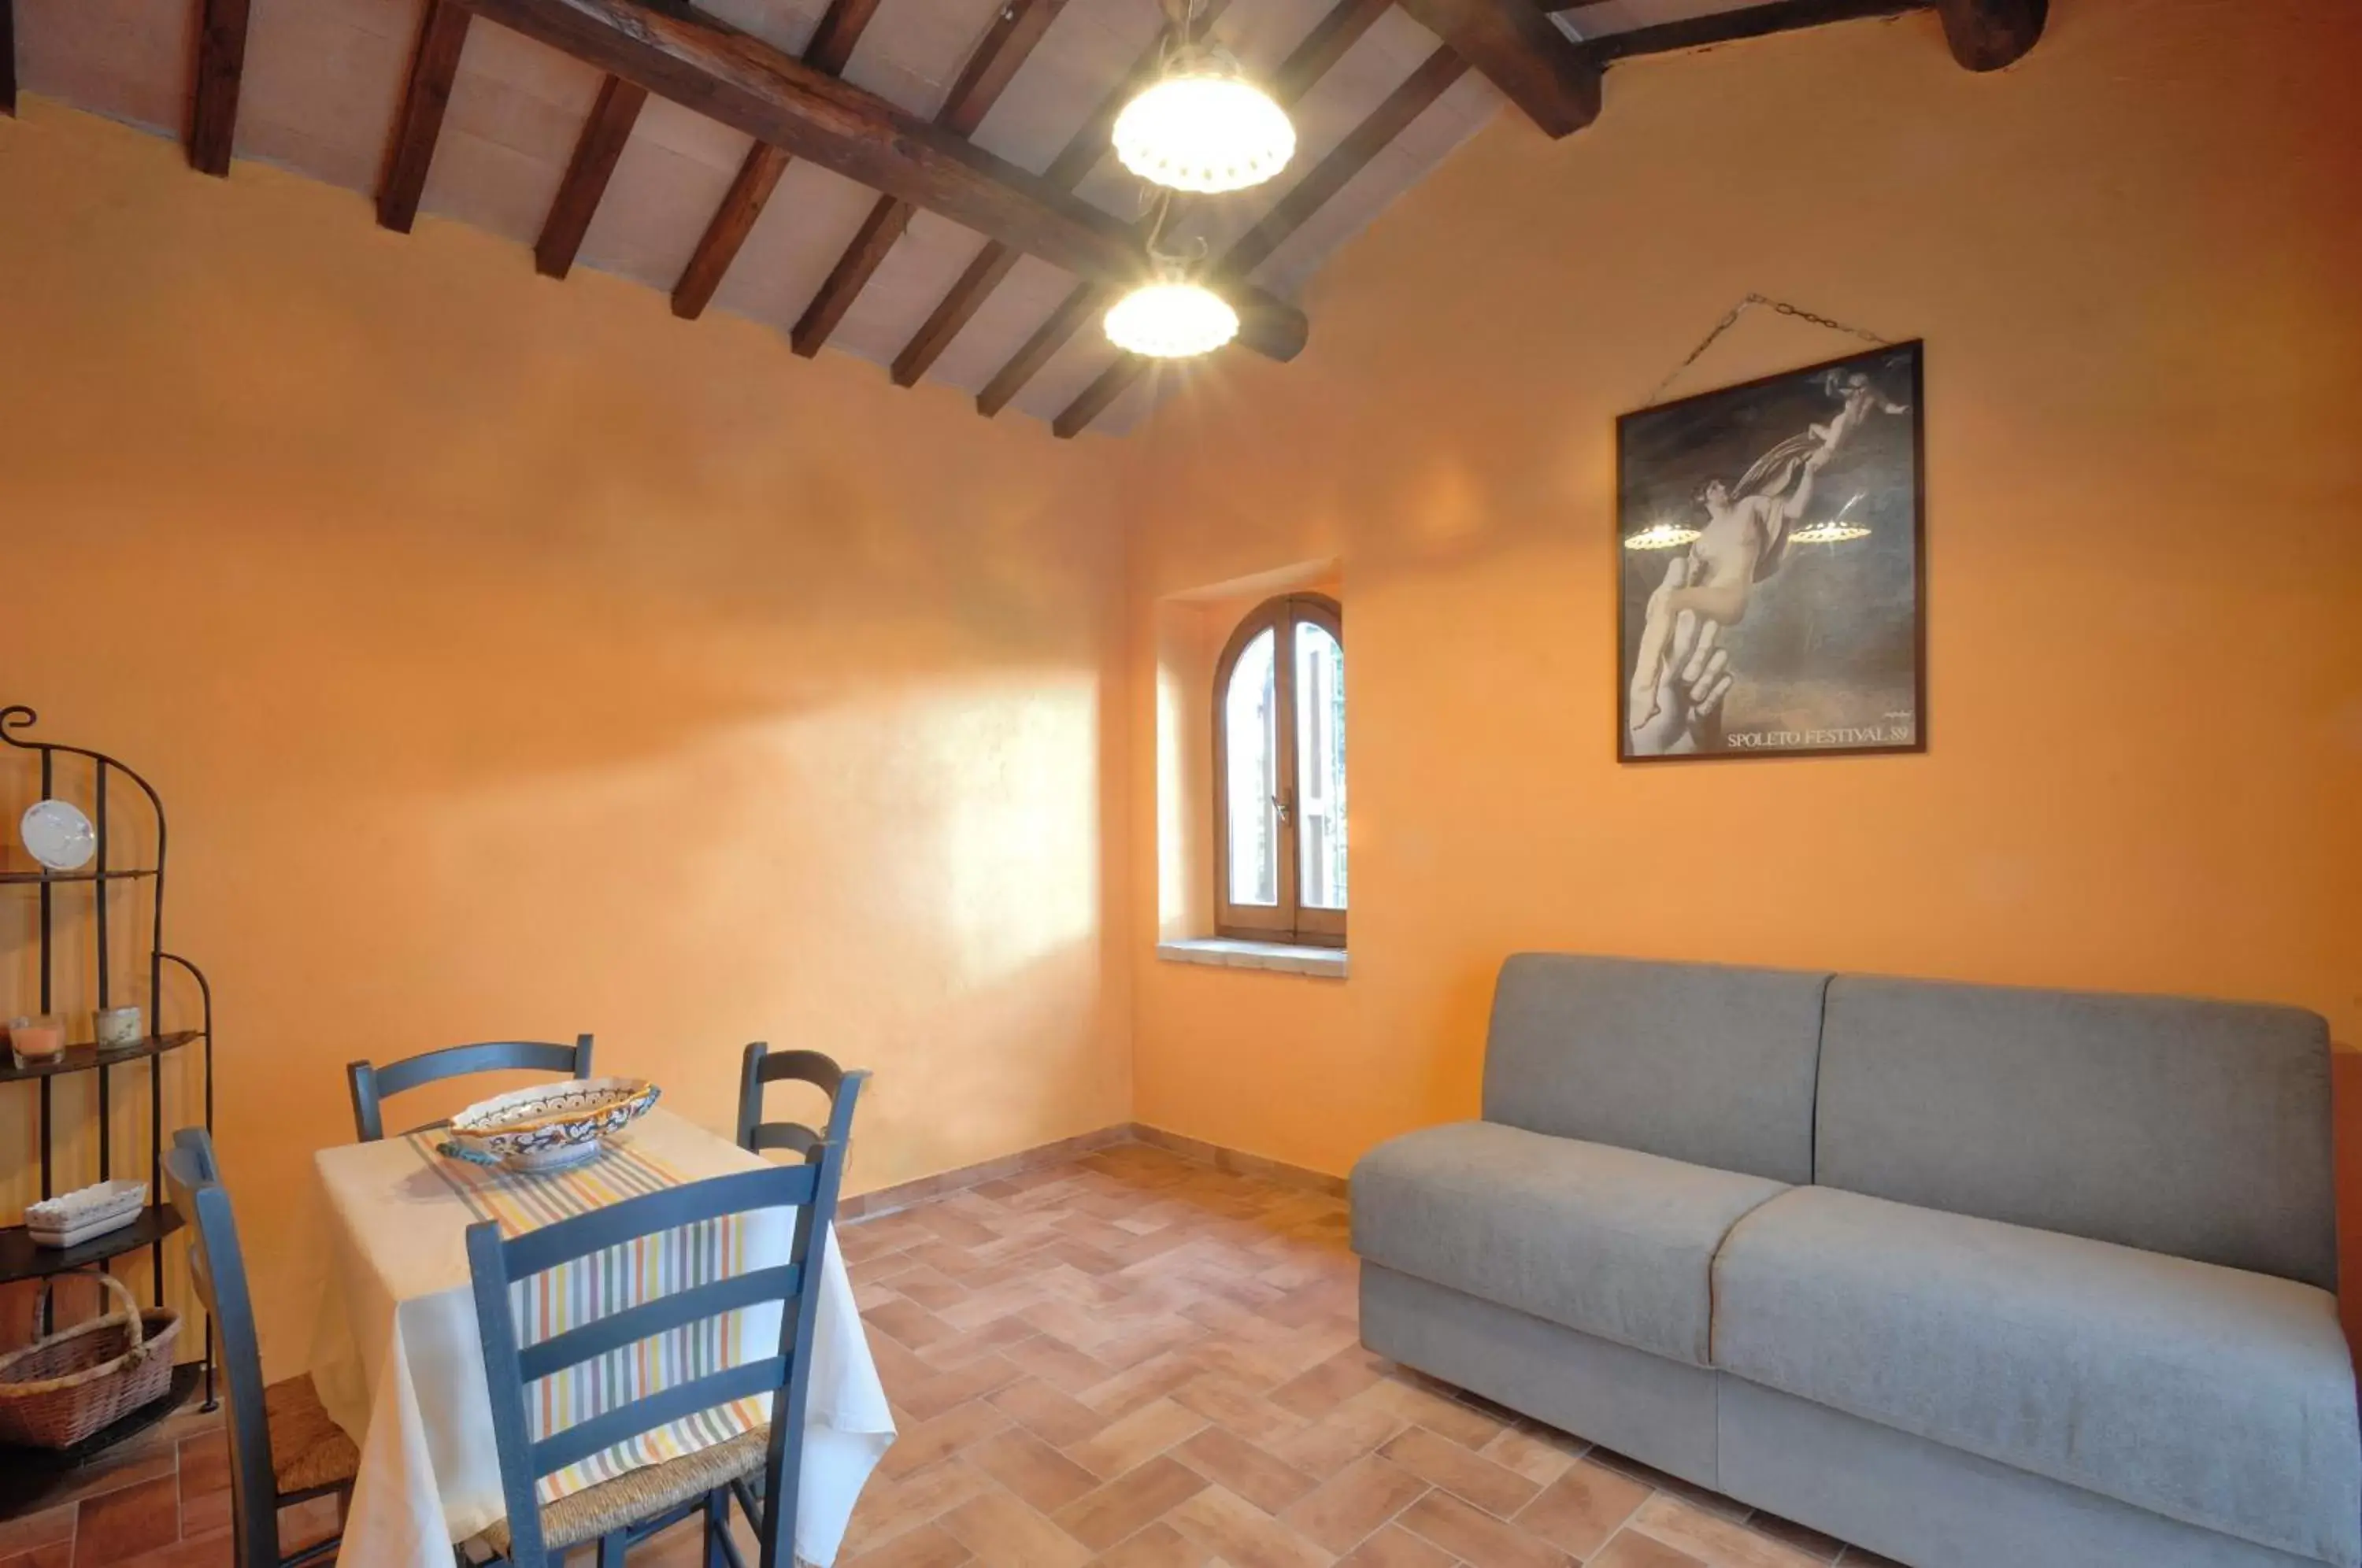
[(763, 1066), (371, 1084), (283, 1448), (621, 1513)]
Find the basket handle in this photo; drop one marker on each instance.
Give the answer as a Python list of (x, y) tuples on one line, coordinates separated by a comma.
[(136, 1330)]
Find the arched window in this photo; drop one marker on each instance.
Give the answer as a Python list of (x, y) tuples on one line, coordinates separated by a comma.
[(1279, 775)]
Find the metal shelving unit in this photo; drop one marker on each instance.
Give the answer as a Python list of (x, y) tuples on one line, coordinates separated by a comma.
[(111, 786)]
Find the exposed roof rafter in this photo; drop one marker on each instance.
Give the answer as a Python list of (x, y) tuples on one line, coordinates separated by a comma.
[(754, 87), (432, 68), (600, 149), (830, 50), (1984, 35), (1016, 27), (1987, 35), (221, 65), (1523, 52)]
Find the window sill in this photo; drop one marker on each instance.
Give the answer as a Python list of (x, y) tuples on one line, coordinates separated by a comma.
[(1228, 953)]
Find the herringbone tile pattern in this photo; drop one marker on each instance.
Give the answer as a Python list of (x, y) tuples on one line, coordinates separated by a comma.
[(1129, 1361), (1135, 1361)]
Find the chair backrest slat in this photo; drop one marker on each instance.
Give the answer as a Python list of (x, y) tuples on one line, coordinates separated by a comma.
[(624, 1423), (217, 1267), (372, 1084), (616, 1330), (763, 1066)]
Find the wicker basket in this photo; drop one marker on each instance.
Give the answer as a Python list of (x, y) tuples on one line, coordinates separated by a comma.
[(57, 1391)]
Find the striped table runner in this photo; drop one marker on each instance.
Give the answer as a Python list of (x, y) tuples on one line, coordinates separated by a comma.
[(605, 1283)]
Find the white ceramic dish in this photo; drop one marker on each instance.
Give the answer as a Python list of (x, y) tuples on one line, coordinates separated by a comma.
[(72, 1217), (58, 836), (549, 1126)]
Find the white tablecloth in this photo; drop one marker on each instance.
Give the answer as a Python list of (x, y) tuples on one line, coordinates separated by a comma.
[(398, 1363)]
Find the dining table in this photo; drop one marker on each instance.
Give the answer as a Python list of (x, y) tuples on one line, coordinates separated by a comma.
[(399, 1363)]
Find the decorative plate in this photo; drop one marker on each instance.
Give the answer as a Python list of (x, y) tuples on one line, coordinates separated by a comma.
[(549, 1126), (58, 836)]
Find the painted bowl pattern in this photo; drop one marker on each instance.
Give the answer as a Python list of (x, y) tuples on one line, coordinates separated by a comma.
[(550, 1125)]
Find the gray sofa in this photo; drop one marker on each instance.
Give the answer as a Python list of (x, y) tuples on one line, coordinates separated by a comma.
[(1965, 1276)]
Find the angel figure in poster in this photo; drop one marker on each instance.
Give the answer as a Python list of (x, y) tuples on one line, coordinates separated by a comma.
[(1746, 534)]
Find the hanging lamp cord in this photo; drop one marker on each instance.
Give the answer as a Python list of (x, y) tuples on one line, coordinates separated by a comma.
[(1731, 320)]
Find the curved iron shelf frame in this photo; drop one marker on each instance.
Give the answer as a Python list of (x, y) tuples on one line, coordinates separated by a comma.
[(17, 1262)]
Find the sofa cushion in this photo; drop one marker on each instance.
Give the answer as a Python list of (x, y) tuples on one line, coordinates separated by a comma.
[(2213, 1396), (2196, 1128), (1589, 1236), (1698, 1062)]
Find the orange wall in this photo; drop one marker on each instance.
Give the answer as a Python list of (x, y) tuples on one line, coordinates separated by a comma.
[(516, 659), (2134, 259)]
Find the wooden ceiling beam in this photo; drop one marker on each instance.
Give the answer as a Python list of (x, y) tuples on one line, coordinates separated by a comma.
[(1417, 92), (1016, 27), (432, 68), (8, 58), (1523, 52), (221, 65), (1987, 35), (1984, 35), (755, 88), (596, 153), (1729, 27), (830, 50), (1074, 163)]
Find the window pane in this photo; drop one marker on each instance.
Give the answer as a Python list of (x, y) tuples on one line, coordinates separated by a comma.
[(1320, 766), (1250, 735)]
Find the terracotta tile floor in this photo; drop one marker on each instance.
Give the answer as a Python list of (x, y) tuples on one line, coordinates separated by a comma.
[(1129, 1361)]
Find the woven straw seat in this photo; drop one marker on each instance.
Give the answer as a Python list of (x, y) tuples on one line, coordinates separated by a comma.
[(309, 1452), (610, 1506)]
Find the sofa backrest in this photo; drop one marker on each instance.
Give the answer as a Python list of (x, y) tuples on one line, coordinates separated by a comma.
[(2200, 1128), (1697, 1062)]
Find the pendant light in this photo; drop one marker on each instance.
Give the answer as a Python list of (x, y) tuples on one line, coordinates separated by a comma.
[(1829, 533), (1835, 531), (1172, 316), (1661, 537), (1202, 125)]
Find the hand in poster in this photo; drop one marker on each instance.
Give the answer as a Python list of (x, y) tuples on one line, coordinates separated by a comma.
[(1691, 684)]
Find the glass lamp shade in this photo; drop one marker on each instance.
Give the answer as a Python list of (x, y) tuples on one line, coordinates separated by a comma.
[(1661, 537), (1837, 531), (1171, 319), (1204, 127)]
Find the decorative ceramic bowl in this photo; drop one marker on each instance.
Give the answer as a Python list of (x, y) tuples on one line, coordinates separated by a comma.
[(551, 1125)]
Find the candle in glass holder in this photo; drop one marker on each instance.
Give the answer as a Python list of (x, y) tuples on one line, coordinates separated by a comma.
[(35, 1040), (117, 1028)]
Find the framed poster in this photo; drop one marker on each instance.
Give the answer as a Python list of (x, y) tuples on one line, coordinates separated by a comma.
[(1770, 553)]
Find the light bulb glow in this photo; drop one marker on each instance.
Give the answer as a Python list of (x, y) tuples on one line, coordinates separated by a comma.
[(1661, 537), (1171, 320), (1830, 533), (1204, 128)]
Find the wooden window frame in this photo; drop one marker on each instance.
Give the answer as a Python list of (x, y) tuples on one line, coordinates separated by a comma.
[(1288, 921)]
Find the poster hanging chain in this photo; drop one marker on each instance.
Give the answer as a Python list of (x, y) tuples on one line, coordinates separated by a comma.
[(1731, 320)]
